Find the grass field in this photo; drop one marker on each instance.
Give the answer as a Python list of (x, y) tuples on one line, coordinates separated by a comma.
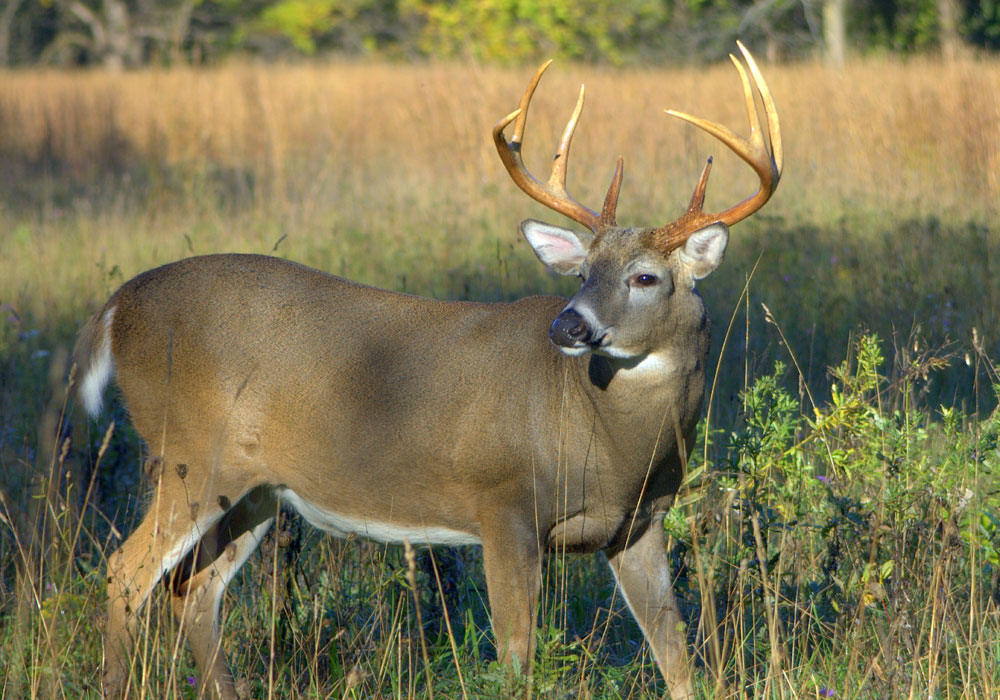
[(842, 540)]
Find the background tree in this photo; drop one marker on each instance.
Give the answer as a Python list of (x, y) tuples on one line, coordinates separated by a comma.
[(125, 33)]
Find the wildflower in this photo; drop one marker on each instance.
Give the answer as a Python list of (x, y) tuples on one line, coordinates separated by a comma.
[(11, 312), (824, 479), (192, 681)]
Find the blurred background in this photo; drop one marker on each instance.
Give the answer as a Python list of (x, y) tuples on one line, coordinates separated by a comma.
[(131, 33)]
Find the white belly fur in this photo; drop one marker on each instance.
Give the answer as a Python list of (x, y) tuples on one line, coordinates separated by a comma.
[(343, 525)]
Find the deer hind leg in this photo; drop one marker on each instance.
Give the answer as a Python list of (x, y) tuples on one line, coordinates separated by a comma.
[(642, 568), (200, 581), (171, 528)]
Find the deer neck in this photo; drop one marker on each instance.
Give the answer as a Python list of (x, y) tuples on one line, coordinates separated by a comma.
[(634, 396)]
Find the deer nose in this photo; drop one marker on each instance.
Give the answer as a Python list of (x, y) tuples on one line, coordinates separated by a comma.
[(569, 330)]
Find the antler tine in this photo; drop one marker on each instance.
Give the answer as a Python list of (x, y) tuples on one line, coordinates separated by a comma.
[(522, 108), (611, 198), (773, 127), (552, 193), (754, 151)]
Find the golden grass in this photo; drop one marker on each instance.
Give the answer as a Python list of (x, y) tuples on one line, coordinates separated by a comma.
[(881, 132), (349, 158)]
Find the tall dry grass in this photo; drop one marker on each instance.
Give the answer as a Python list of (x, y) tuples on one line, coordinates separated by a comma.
[(350, 159), (902, 135)]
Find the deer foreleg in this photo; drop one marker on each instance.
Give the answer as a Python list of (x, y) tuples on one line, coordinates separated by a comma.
[(642, 569)]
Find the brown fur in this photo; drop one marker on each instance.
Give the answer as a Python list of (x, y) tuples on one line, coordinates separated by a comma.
[(246, 374)]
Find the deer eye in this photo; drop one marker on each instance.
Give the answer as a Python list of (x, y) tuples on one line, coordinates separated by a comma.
[(644, 280)]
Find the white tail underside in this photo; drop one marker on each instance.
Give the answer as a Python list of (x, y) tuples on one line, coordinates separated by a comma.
[(100, 370)]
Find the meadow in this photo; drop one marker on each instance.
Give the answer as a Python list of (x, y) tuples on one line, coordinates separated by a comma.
[(839, 533)]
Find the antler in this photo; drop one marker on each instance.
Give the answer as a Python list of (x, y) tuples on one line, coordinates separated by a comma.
[(553, 193), (767, 164)]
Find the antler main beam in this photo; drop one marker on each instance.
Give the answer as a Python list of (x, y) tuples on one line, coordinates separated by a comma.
[(754, 151), (552, 193)]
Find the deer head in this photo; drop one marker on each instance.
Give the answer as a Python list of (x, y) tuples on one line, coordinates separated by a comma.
[(634, 278)]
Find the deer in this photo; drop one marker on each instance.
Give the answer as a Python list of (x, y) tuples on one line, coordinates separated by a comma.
[(523, 427)]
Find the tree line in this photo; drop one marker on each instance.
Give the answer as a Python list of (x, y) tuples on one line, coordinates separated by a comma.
[(129, 33)]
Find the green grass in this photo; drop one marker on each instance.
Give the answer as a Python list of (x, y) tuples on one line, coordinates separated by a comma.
[(852, 548), (843, 533)]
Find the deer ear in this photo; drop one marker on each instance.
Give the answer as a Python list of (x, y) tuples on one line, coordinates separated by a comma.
[(559, 249), (704, 250)]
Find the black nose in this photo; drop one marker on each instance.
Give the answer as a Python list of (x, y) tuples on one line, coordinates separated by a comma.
[(569, 330)]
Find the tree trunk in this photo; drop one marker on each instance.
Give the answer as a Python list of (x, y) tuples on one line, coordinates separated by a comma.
[(951, 42), (179, 30), (6, 24), (113, 42), (121, 48), (835, 31)]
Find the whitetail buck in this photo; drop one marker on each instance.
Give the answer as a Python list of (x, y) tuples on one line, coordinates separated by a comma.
[(523, 426)]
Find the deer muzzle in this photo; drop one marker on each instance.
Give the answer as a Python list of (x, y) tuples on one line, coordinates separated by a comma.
[(570, 330)]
